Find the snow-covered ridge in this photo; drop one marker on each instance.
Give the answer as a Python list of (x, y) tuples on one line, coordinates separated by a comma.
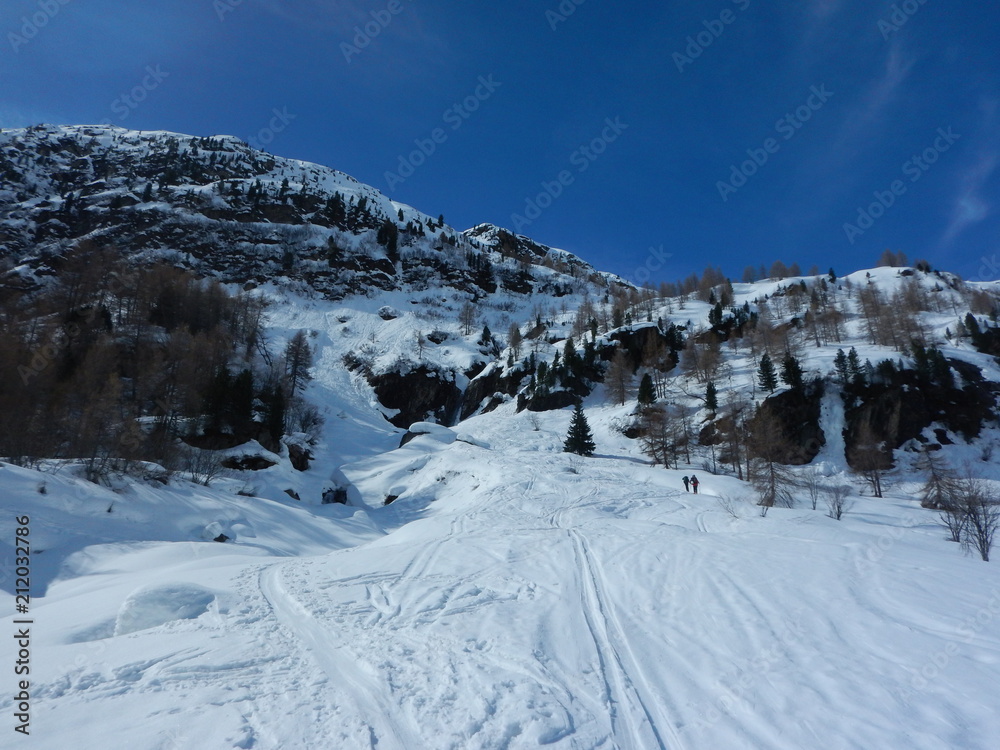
[(219, 206)]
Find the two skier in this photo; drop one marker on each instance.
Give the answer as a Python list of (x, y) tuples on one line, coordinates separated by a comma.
[(690, 482)]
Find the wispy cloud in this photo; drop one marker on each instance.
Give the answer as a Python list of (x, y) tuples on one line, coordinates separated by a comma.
[(971, 204), (882, 92)]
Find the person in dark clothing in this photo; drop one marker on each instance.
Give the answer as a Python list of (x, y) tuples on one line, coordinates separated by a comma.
[(687, 483), (694, 483)]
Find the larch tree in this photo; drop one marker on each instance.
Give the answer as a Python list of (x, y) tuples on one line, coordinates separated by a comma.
[(619, 377), (298, 361)]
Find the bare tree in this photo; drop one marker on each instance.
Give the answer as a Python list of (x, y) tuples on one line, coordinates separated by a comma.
[(939, 490), (837, 500), (619, 377), (203, 465), (467, 318), (980, 506), (660, 435), (869, 457), (769, 477), (812, 482), (515, 339)]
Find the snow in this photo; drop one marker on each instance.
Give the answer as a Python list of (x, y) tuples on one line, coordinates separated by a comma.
[(512, 596)]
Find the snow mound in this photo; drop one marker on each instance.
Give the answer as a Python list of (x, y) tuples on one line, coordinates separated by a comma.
[(436, 431), (151, 607), (465, 437)]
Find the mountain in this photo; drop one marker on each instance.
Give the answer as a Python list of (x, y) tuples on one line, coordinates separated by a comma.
[(440, 573), (217, 206)]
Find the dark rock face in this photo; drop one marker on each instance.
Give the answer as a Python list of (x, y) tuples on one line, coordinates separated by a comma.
[(418, 394), (491, 387), (902, 409), (548, 402), (797, 411), (635, 341), (299, 456), (247, 463), (335, 495)]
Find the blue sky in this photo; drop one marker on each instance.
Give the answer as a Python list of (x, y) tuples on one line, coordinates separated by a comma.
[(731, 132)]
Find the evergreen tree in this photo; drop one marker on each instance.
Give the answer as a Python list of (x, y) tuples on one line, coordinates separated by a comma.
[(767, 377), (715, 316), (241, 397), (791, 372), (215, 400), (388, 237), (571, 359), (854, 369), (711, 397), (274, 415), (840, 363), (647, 394), (147, 194), (579, 440)]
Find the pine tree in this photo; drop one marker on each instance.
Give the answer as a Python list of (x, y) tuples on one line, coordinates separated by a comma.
[(646, 393), (840, 363), (791, 372), (711, 397), (274, 418), (767, 377), (388, 237), (715, 316), (579, 440), (854, 369), (571, 359)]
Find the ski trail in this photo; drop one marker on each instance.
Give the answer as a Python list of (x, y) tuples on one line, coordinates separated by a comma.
[(625, 700), (340, 668)]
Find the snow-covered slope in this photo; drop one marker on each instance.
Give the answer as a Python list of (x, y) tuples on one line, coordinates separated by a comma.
[(510, 595), (522, 597)]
